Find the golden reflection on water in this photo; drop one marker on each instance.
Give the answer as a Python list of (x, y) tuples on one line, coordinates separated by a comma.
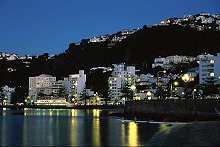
[(132, 134), (164, 128), (96, 128), (96, 132), (74, 112), (73, 128), (123, 136), (96, 112)]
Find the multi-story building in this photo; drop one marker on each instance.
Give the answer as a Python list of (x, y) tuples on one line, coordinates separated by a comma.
[(77, 83), (144, 83), (41, 84), (168, 61), (121, 75), (206, 69), (217, 68), (115, 86)]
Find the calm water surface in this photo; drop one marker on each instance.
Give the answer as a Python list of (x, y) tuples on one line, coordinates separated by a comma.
[(39, 127)]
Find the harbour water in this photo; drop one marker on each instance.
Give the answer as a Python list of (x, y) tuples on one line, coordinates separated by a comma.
[(71, 127)]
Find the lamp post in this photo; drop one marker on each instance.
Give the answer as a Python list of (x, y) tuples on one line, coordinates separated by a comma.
[(171, 87), (157, 84), (193, 93), (133, 88), (162, 71)]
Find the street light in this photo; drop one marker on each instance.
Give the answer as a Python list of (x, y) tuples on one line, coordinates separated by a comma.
[(149, 94), (186, 78), (176, 83), (133, 87), (194, 90), (162, 71), (171, 87)]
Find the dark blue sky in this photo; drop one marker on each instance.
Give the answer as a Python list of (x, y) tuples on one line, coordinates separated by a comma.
[(38, 26)]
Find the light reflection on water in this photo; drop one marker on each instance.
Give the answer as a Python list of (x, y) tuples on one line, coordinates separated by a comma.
[(45, 127), (132, 134)]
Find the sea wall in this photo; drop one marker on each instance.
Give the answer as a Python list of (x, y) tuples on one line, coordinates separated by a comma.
[(177, 106)]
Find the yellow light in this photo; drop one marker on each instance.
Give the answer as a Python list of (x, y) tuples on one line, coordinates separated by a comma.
[(149, 93), (98, 99), (132, 134), (185, 78), (96, 113), (74, 112), (96, 138), (176, 83), (133, 87)]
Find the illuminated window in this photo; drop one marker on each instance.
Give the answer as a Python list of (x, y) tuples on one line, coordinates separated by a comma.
[(212, 61), (212, 74)]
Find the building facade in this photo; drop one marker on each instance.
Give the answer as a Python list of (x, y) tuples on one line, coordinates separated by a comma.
[(206, 69), (121, 75), (217, 68), (77, 83), (42, 84)]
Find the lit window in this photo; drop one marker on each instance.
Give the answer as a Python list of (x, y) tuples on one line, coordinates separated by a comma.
[(212, 74), (212, 61)]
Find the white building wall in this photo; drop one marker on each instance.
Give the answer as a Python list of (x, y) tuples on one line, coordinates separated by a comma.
[(121, 74), (39, 83), (206, 68), (217, 68), (77, 83)]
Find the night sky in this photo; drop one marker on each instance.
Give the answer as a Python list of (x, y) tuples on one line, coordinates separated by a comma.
[(39, 26)]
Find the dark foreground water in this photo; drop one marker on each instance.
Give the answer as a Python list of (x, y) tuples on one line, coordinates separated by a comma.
[(39, 127)]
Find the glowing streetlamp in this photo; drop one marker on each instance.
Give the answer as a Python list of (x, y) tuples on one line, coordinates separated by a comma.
[(162, 71), (176, 83), (171, 87), (149, 94), (186, 78)]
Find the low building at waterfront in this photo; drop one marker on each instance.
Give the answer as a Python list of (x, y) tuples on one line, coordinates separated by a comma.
[(52, 101)]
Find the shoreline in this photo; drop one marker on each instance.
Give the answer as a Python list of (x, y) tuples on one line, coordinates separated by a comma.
[(119, 111), (168, 117), (66, 107)]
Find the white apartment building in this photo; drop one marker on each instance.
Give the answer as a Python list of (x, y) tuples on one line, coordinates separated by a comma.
[(168, 61), (218, 24), (121, 74), (217, 68), (77, 83), (47, 85), (115, 86), (206, 68), (41, 84)]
